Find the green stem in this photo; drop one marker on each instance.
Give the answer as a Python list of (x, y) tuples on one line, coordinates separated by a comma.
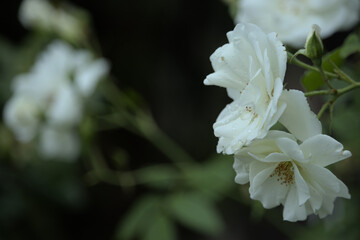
[(299, 63), (331, 110), (149, 130), (323, 109), (348, 88), (118, 98), (342, 75), (101, 172), (337, 93), (325, 77), (318, 92), (140, 122)]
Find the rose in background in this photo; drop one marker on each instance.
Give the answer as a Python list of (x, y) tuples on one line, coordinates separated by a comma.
[(48, 102), (292, 19), (64, 20)]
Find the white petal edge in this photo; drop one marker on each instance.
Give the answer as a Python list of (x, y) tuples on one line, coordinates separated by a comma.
[(323, 150), (302, 188), (292, 210), (297, 117), (290, 148)]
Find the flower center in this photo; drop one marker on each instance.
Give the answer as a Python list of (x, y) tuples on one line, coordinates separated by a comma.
[(285, 173)]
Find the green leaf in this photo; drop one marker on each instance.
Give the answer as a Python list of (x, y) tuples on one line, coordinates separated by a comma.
[(137, 220), (332, 57), (160, 176), (160, 228), (346, 119), (313, 80), (351, 45), (196, 212), (120, 157)]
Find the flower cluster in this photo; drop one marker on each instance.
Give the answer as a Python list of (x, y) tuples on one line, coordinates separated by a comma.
[(282, 168), (41, 14), (292, 19), (47, 102)]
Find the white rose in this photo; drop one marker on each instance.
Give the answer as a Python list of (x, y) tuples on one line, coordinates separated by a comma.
[(281, 171), (251, 67), (292, 19)]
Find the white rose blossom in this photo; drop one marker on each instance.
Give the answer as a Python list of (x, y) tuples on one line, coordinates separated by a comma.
[(282, 171), (292, 19), (282, 168), (251, 67), (53, 93)]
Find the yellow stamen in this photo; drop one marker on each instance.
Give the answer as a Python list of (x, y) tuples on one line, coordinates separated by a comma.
[(285, 173)]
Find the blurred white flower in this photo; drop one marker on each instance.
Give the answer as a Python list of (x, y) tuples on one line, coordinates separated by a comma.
[(41, 14), (292, 19), (251, 67), (66, 107), (53, 93), (58, 142), (22, 116), (281, 171), (88, 76)]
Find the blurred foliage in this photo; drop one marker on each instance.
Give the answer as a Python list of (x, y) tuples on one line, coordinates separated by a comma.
[(135, 179), (189, 199), (18, 59), (30, 198), (350, 46)]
